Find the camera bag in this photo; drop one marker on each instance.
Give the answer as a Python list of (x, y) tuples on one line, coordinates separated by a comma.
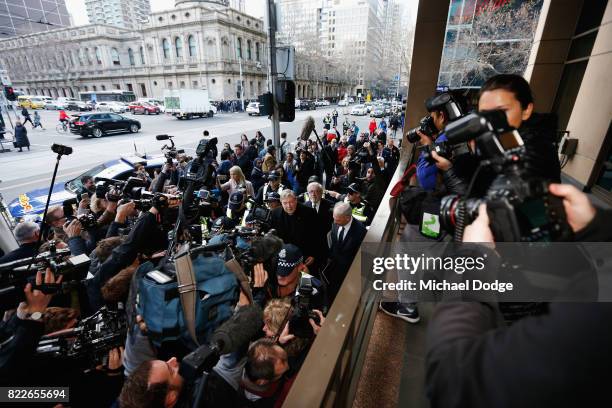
[(199, 298)]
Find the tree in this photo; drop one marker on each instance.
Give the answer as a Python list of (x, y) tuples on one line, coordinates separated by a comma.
[(498, 41)]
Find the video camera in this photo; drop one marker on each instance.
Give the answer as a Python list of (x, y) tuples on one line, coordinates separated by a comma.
[(91, 340), (14, 276), (170, 152), (302, 310), (519, 206)]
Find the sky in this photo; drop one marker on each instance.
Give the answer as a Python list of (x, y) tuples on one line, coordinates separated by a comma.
[(79, 14)]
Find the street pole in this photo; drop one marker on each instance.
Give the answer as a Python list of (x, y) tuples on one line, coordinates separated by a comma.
[(271, 19), (241, 84)]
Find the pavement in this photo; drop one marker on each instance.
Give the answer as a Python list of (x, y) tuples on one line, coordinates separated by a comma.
[(29, 170)]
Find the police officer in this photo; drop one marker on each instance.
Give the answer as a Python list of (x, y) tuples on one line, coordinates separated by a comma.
[(335, 117), (236, 208), (272, 200), (273, 184), (327, 120), (360, 209)]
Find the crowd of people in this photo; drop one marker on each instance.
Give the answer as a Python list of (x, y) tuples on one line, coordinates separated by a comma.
[(319, 197)]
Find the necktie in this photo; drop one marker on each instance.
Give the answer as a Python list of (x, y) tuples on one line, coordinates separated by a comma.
[(341, 236)]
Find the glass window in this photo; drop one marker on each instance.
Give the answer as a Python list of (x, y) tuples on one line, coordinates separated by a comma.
[(568, 91), (178, 46), (166, 48), (240, 48), (191, 43), (98, 55), (591, 15), (249, 56), (131, 56), (115, 56), (142, 57)]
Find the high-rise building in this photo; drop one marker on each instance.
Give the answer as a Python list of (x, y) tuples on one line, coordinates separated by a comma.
[(20, 17), (120, 13)]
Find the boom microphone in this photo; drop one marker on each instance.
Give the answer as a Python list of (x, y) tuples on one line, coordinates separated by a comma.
[(239, 330), (309, 126), (162, 137)]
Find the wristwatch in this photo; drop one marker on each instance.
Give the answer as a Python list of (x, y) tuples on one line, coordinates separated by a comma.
[(36, 316)]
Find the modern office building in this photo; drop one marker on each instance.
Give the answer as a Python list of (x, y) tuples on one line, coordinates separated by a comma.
[(20, 17), (120, 13)]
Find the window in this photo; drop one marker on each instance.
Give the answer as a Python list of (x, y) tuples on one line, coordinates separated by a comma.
[(143, 89), (115, 56), (103, 87), (98, 56), (249, 57), (87, 56), (131, 56), (240, 48), (142, 58), (166, 48), (213, 80), (257, 56), (194, 84), (95, 88), (169, 84), (191, 43), (182, 84), (130, 87), (178, 46)]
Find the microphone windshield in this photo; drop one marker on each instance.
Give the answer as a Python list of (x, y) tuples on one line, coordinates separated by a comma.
[(245, 325), (309, 126), (162, 137)]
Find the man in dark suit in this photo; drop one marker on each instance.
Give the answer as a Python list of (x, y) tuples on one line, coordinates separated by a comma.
[(297, 224), (322, 207), (26, 234), (344, 240)]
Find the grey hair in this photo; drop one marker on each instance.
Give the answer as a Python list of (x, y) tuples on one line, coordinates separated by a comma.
[(316, 185), (25, 231), (342, 208), (286, 193)]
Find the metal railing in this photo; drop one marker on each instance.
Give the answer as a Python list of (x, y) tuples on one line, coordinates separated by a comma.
[(331, 372)]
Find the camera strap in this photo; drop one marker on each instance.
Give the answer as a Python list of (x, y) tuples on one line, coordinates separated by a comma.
[(234, 266), (185, 277)]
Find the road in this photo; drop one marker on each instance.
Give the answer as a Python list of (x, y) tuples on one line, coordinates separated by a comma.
[(29, 170)]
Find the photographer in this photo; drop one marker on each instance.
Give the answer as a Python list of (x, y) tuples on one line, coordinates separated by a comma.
[(375, 183), (466, 342)]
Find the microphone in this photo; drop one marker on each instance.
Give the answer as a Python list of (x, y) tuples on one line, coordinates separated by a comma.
[(61, 149), (162, 137), (309, 126), (235, 333)]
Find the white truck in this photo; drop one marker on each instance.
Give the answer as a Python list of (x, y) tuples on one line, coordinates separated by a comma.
[(188, 103)]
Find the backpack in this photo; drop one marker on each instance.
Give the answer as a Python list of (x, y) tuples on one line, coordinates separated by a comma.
[(160, 304)]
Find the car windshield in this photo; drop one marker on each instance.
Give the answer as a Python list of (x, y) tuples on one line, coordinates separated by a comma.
[(75, 184), (82, 118)]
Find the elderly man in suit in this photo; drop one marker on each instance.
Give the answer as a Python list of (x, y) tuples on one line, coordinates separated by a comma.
[(322, 207), (344, 240)]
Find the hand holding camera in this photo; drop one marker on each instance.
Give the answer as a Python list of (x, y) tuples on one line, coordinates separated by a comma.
[(36, 300), (73, 228), (317, 327), (578, 209), (441, 162)]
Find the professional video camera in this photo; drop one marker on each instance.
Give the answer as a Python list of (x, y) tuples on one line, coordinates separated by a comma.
[(302, 310), (199, 170), (520, 207), (90, 341), (14, 276), (260, 215), (170, 152)]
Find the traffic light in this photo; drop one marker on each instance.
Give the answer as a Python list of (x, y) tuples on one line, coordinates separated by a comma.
[(9, 93), (285, 98), (265, 104)]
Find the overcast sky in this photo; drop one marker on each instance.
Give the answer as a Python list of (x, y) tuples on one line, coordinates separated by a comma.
[(79, 14)]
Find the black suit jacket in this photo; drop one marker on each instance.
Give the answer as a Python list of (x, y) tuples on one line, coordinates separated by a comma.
[(324, 216), (301, 229), (341, 254), (24, 251)]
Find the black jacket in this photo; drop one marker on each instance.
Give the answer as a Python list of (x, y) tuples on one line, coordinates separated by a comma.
[(324, 215), (301, 229), (21, 137), (24, 251), (341, 254), (539, 133)]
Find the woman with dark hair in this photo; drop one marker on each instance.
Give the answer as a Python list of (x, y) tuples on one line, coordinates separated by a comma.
[(244, 141), (512, 94)]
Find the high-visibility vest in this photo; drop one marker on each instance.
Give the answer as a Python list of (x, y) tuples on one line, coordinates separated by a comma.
[(357, 211)]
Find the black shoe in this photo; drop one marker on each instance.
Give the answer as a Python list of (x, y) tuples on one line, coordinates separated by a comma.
[(401, 311), (20, 150)]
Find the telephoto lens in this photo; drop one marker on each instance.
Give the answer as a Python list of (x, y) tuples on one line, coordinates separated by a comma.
[(426, 126)]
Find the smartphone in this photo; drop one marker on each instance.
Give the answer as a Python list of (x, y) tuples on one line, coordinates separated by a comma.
[(159, 277)]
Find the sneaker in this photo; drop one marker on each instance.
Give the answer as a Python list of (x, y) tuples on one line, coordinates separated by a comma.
[(401, 311)]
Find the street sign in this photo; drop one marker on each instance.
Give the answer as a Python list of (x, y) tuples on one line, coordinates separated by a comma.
[(4, 78)]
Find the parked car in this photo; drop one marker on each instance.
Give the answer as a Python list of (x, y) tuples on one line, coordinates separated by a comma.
[(322, 102), (72, 104), (343, 102), (100, 124), (143, 108), (351, 100), (111, 107), (307, 105), (377, 112), (253, 108), (51, 104), (359, 110), (32, 203)]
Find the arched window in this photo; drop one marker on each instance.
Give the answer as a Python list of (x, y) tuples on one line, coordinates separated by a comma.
[(87, 56), (257, 56), (142, 58), (98, 55), (131, 56), (249, 56), (166, 48), (191, 43), (115, 56), (178, 47), (79, 56), (240, 48)]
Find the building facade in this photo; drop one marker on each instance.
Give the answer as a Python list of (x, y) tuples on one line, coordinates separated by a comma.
[(20, 17), (120, 13)]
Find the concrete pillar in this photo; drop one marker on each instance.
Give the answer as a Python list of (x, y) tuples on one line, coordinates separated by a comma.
[(426, 56), (590, 118), (552, 40)]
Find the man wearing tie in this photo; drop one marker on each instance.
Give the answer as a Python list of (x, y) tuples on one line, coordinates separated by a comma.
[(344, 240), (322, 207)]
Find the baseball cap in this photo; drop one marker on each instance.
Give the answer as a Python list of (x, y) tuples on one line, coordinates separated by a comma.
[(272, 196), (288, 258), (236, 200), (354, 188), (273, 175)]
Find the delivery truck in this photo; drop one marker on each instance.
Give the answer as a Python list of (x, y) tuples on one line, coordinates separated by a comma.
[(188, 103)]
